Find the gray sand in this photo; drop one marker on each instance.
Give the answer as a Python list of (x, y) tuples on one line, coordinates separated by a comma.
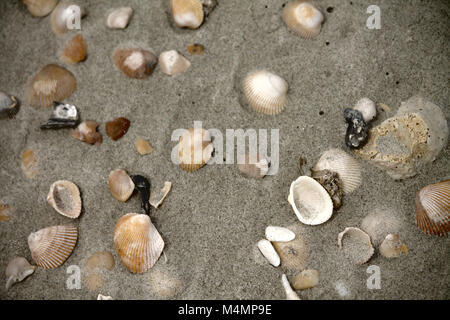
[(213, 218)]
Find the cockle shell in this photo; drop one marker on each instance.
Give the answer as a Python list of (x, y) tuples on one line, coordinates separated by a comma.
[(194, 149), (87, 132), (8, 105), (29, 164), (433, 208), (158, 196), (348, 169), (119, 18), (303, 18), (120, 185), (306, 279), (268, 251), (51, 246), (17, 270), (254, 167), (392, 246), (75, 50), (40, 8), (290, 293), (173, 63), (265, 92), (137, 242), (310, 201), (51, 83), (64, 16), (143, 147), (64, 197), (367, 108), (135, 63), (187, 13), (358, 247), (280, 234)]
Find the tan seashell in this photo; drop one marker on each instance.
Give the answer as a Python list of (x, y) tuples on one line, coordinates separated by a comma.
[(51, 83), (194, 149), (64, 197), (358, 247), (120, 185), (380, 222), (392, 247), (290, 293), (173, 63), (137, 242), (265, 92), (303, 18), (29, 164), (40, 8), (5, 211), (87, 132), (293, 254), (306, 279), (433, 208), (17, 270), (143, 147), (157, 197), (75, 50), (348, 169), (64, 14), (187, 13), (254, 167), (50, 247), (135, 63), (119, 18)]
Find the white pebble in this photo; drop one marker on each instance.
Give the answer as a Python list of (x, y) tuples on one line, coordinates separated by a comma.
[(269, 252), (279, 234), (119, 18), (367, 108)]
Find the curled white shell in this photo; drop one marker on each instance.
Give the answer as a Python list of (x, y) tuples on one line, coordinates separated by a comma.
[(195, 148), (265, 92), (64, 197), (64, 15), (303, 18), (290, 293), (367, 108), (173, 63), (310, 201), (187, 13), (119, 18), (268, 251), (17, 270), (157, 197), (358, 246), (279, 234), (392, 246)]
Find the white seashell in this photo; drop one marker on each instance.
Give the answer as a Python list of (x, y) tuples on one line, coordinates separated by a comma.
[(102, 297), (187, 13), (306, 279), (348, 169), (64, 197), (367, 108), (303, 18), (279, 234), (265, 92), (269, 252), (311, 202), (290, 294), (17, 270), (392, 247), (157, 197), (119, 18), (63, 15), (173, 63), (359, 248), (195, 148)]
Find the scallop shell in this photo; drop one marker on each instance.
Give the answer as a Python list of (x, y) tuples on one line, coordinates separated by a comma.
[(8, 105), (194, 149), (137, 242), (40, 8), (62, 14), (87, 132), (17, 270), (256, 167), (135, 63), (306, 279), (29, 164), (392, 246), (265, 92), (187, 13), (51, 83), (268, 251), (433, 208), (367, 108), (120, 185), (75, 50), (303, 18), (119, 18), (310, 201), (348, 169), (143, 147), (51, 246), (290, 294), (64, 197), (280, 234), (173, 63), (157, 197), (358, 247)]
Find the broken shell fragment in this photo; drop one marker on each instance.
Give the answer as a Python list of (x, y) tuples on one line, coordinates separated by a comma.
[(380, 222), (293, 254), (135, 63), (367, 109), (306, 279), (40, 8), (142, 185), (64, 197), (357, 129), (117, 128), (269, 252), (173, 63), (157, 197), (66, 16), (208, 6), (332, 183), (17, 270), (290, 293), (75, 50), (195, 48), (279, 234), (29, 164), (63, 116), (143, 147), (265, 92), (254, 167), (119, 18), (120, 185), (137, 242), (5, 211), (392, 246), (187, 13), (87, 132), (8, 105), (102, 297), (195, 148), (358, 247), (50, 247), (303, 18)]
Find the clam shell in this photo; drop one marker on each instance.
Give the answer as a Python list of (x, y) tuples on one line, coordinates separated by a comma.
[(119, 18), (64, 197), (173, 63), (75, 50), (290, 294), (87, 132), (280, 234), (143, 147), (29, 164), (306, 279), (265, 92), (256, 167), (269, 252), (120, 185), (8, 105), (17, 270), (367, 108), (187, 13), (348, 169), (194, 149), (303, 18), (433, 208), (117, 128), (62, 14), (157, 197), (40, 8), (137, 242), (310, 201), (358, 247), (392, 247), (135, 63), (50, 247)]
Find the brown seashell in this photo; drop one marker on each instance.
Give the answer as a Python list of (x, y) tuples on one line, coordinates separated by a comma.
[(187, 13), (358, 247), (87, 132), (196, 48), (40, 8), (117, 128), (120, 185), (51, 83), (254, 167), (51, 246), (137, 242), (135, 63), (194, 149), (433, 208), (29, 164), (75, 51), (332, 183), (143, 147), (5, 211), (64, 197), (293, 254), (392, 246), (64, 15)]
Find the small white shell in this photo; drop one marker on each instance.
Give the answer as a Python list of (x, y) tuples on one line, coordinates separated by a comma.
[(173, 63), (119, 18), (290, 294), (17, 270), (157, 197), (102, 297), (392, 246), (367, 108), (279, 234), (359, 247), (64, 197), (303, 18), (269, 252)]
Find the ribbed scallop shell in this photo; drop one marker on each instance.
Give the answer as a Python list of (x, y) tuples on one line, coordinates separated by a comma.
[(51, 246), (433, 208), (194, 149), (265, 92), (303, 18), (64, 197), (337, 160), (137, 242), (359, 248), (187, 13)]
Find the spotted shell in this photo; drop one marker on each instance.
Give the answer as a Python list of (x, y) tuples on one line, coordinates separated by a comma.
[(135, 63), (303, 18), (64, 197), (194, 149)]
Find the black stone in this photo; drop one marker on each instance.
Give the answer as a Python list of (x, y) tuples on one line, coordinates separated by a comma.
[(357, 130), (142, 185), (63, 116)]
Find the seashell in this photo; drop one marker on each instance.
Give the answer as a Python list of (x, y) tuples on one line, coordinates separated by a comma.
[(337, 160), (8, 105), (303, 18), (5, 211), (87, 132), (137, 242), (293, 254), (194, 149), (142, 185), (196, 48), (40, 8), (64, 197), (157, 197), (380, 222), (64, 16), (120, 185), (50, 247), (310, 201), (306, 279), (367, 108), (63, 116), (75, 50), (187, 13), (265, 92), (17, 270), (164, 284), (357, 129), (392, 247), (208, 6), (173, 63), (254, 167), (135, 63), (332, 183), (290, 294), (95, 267), (143, 147), (117, 128), (279, 234), (29, 164), (102, 297), (51, 83), (269, 252), (119, 18), (433, 208), (358, 247)]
